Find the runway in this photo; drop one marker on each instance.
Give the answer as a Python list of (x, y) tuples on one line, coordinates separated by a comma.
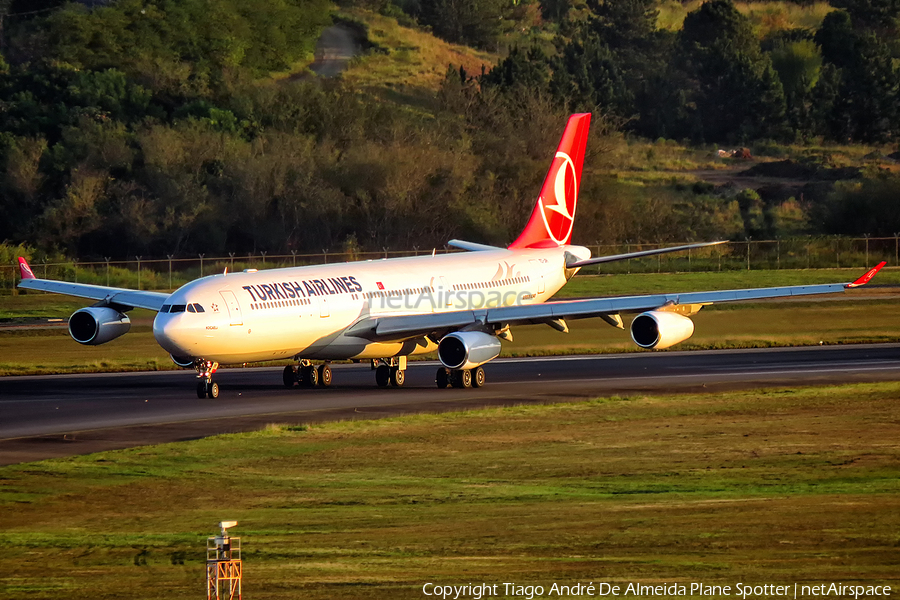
[(63, 415)]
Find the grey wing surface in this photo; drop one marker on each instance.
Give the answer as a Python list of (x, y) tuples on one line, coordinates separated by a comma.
[(109, 295), (408, 326)]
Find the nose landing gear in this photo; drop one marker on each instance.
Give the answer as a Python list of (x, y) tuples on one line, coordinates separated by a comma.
[(206, 386)]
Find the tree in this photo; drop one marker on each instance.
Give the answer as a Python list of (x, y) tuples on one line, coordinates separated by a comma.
[(475, 22), (736, 92), (858, 93)]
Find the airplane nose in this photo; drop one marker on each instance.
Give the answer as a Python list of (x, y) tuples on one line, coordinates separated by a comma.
[(170, 335)]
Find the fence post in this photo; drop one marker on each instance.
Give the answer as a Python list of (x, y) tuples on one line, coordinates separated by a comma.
[(231, 254), (139, 271), (748, 253), (106, 258), (170, 269), (778, 254), (807, 254), (294, 254), (75, 268), (866, 235), (263, 253), (325, 254)]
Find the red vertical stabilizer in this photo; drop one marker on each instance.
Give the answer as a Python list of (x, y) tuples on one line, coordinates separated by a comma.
[(554, 213), (24, 270)]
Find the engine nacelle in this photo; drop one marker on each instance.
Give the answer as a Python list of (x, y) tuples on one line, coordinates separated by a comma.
[(660, 329), (96, 325), (467, 349), (182, 361)]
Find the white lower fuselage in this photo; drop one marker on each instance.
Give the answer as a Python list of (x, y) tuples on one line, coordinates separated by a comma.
[(305, 312)]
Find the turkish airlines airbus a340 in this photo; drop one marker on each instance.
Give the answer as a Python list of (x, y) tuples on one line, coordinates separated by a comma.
[(383, 311)]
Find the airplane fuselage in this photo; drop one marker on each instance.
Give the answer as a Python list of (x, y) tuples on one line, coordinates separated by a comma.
[(309, 312)]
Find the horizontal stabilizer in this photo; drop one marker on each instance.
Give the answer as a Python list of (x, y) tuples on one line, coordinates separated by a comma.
[(616, 257), (472, 246)]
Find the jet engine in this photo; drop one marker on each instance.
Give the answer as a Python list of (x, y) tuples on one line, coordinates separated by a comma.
[(660, 329), (467, 349), (96, 325)]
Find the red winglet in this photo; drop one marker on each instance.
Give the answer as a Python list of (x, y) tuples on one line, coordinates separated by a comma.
[(867, 277), (25, 270)]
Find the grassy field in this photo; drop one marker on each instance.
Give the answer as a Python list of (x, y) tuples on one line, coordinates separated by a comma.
[(865, 315), (408, 64), (766, 17), (774, 486)]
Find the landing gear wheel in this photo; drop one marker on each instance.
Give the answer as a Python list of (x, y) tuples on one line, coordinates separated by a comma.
[(289, 376), (324, 375), (398, 377), (461, 378), (383, 375), (310, 376), (201, 389), (442, 378), (466, 376), (478, 377), (212, 390)]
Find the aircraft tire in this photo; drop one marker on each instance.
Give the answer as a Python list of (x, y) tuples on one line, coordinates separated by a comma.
[(466, 377), (325, 375), (213, 390), (383, 376), (477, 377), (398, 377), (461, 378), (289, 376), (442, 378), (201, 389), (310, 377)]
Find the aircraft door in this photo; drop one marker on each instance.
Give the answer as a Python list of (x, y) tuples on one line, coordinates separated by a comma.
[(234, 309), (323, 307), (539, 276)]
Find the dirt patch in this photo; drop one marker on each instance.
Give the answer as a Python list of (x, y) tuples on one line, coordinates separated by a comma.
[(789, 169)]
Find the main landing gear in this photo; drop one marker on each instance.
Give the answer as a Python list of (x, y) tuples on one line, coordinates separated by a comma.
[(307, 375), (390, 371), (205, 385), (459, 378)]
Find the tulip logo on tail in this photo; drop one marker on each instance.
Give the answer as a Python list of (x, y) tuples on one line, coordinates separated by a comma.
[(25, 270), (558, 211)]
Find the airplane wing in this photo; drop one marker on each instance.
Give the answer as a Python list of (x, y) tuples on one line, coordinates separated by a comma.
[(108, 295), (391, 328)]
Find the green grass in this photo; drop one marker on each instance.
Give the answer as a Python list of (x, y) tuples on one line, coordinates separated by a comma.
[(753, 486), (409, 64), (766, 17)]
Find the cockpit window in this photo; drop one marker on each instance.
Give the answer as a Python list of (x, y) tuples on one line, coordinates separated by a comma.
[(177, 308), (164, 309), (190, 308), (197, 307)]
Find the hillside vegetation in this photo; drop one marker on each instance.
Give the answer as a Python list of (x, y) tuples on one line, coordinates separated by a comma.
[(159, 127)]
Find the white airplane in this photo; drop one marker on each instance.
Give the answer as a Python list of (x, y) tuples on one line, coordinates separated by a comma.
[(383, 311)]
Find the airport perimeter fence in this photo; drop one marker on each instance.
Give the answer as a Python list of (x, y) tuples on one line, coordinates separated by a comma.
[(173, 271)]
